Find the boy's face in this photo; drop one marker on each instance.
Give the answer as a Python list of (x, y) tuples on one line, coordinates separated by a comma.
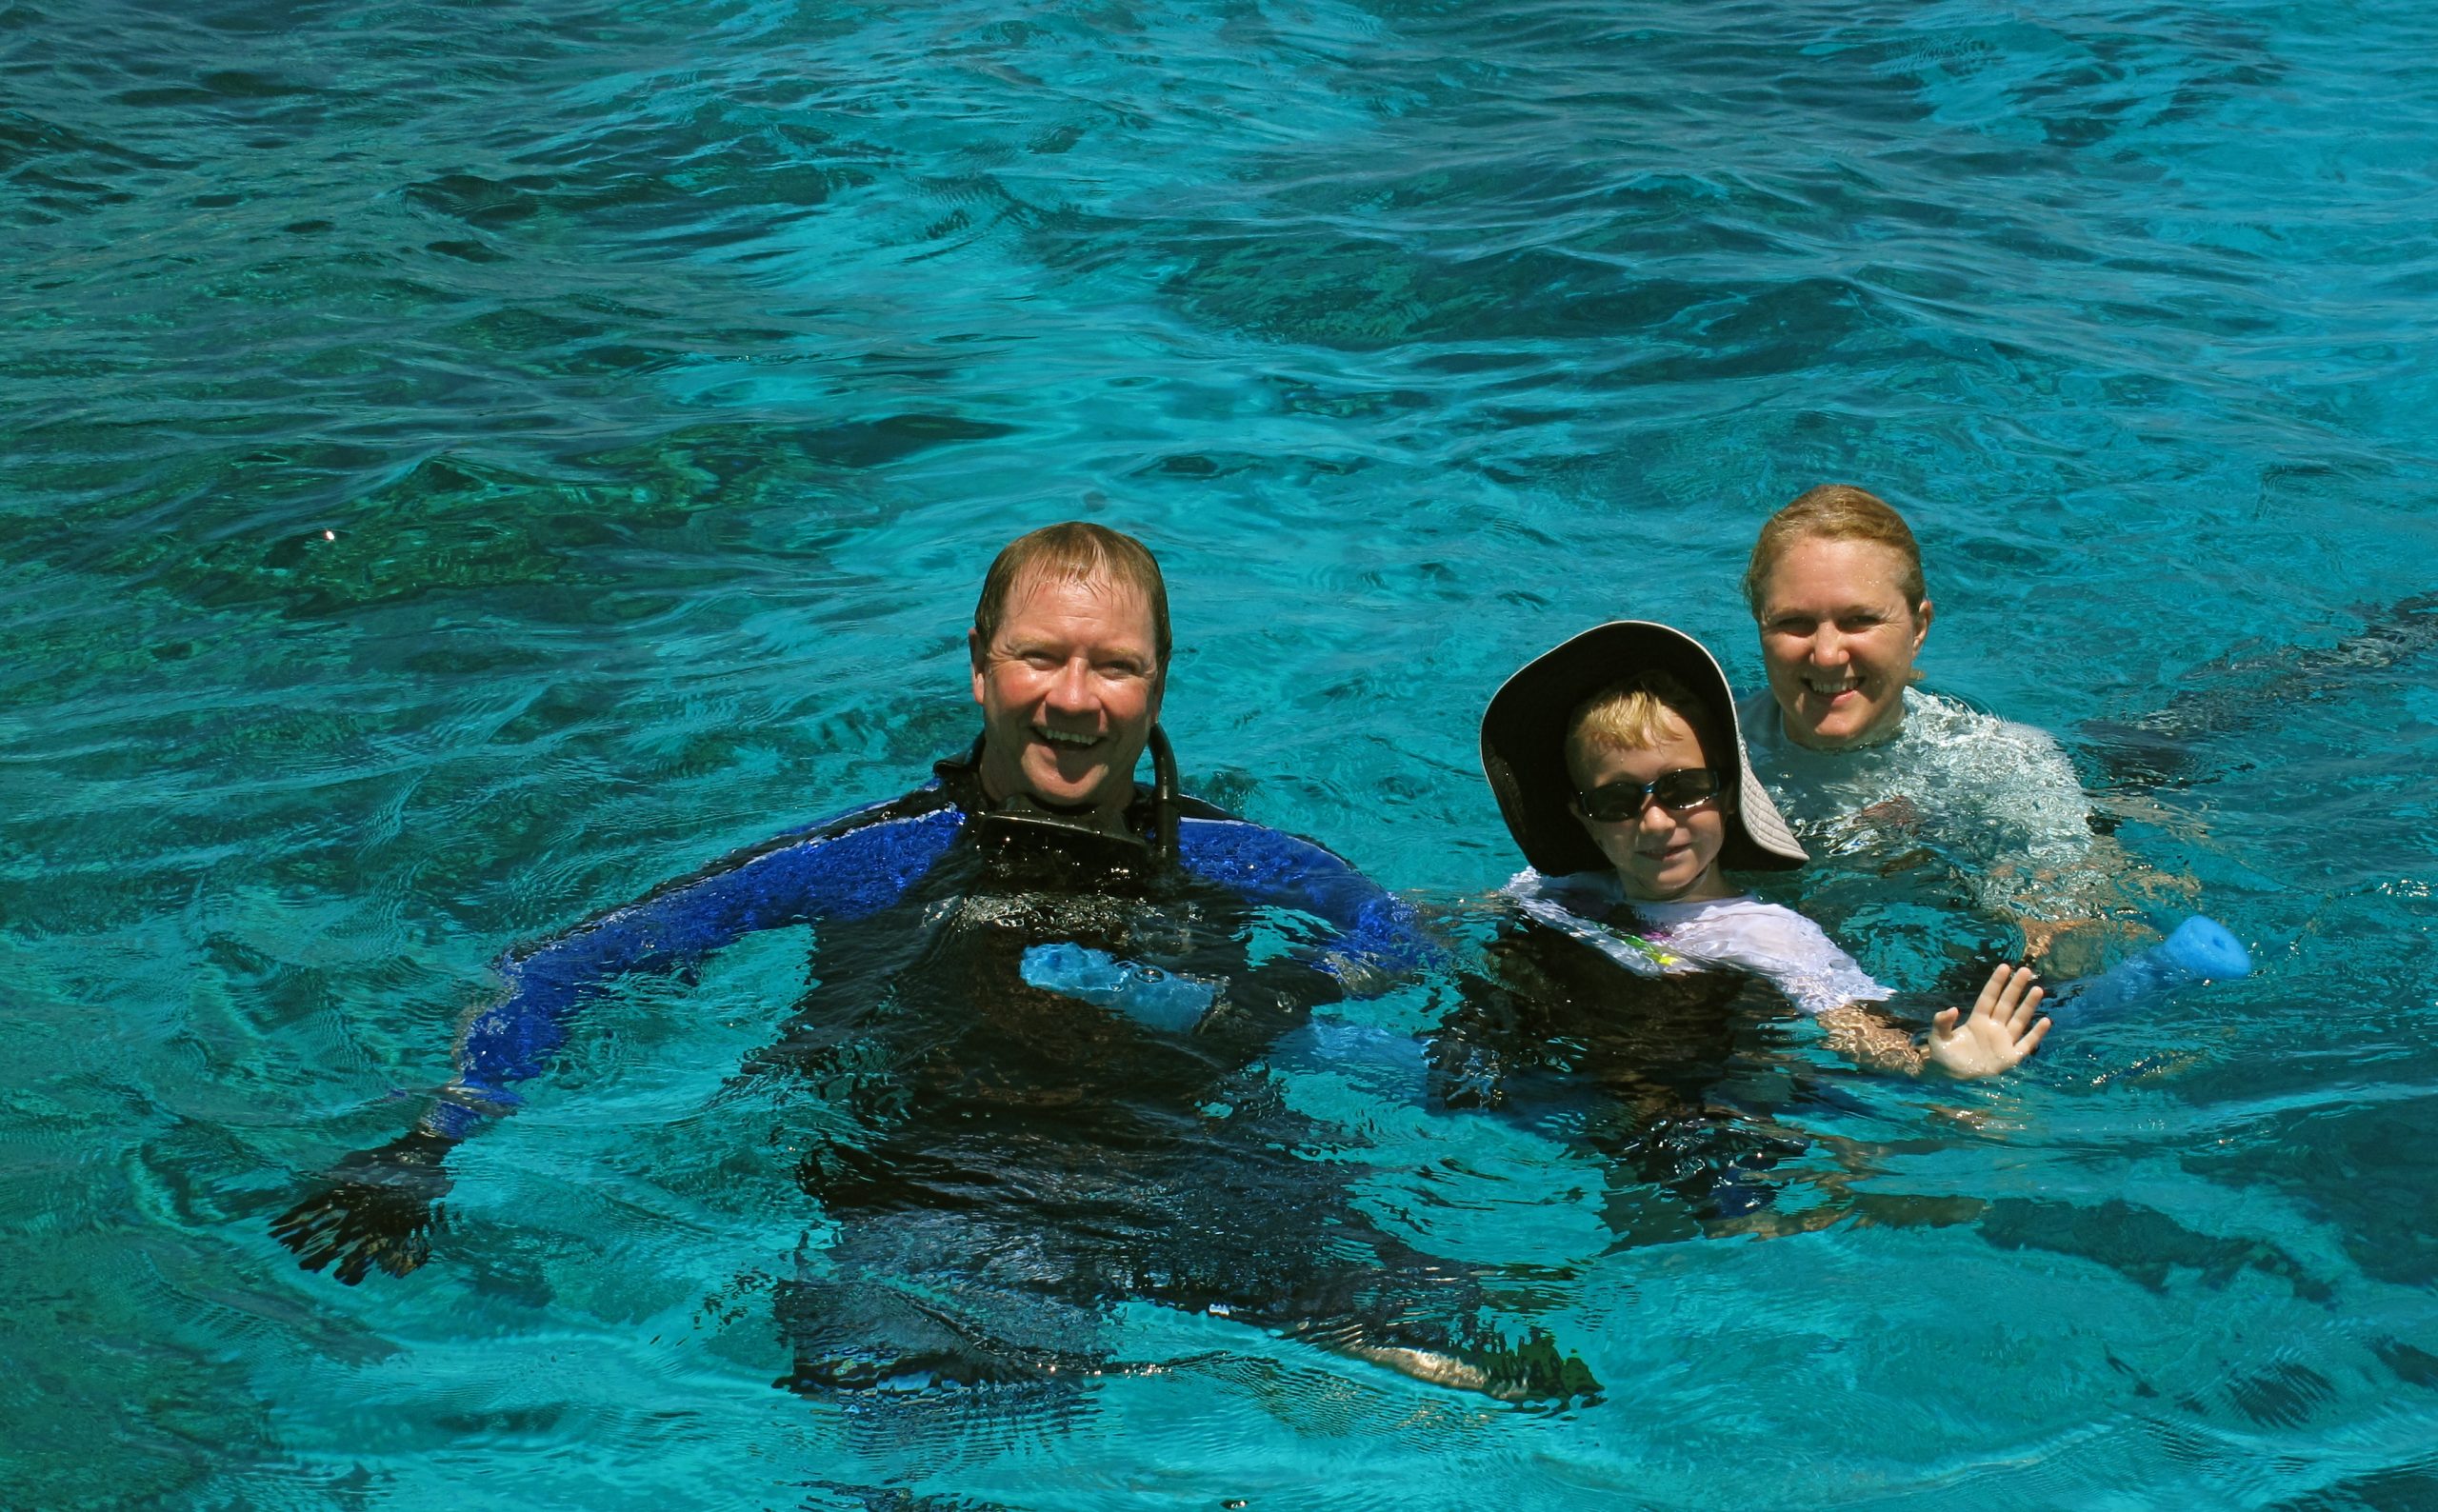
[(1665, 855)]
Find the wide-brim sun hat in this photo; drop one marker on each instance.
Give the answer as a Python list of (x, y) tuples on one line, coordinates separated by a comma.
[(1524, 734)]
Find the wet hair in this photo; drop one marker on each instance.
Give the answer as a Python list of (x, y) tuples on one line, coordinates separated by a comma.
[(1834, 511), (1632, 714), (1075, 551)]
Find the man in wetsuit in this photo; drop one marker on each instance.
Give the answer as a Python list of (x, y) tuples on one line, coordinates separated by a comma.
[(1045, 1000)]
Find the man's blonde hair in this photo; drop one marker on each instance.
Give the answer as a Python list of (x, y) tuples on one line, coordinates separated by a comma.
[(1076, 552), (1633, 714)]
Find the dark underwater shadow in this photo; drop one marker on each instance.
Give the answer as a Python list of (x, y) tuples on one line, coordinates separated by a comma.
[(1008, 1167), (2174, 747)]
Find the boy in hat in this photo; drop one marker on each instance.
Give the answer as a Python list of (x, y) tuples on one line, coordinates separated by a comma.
[(1620, 770)]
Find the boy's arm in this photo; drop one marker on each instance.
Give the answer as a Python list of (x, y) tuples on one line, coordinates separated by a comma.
[(1826, 982), (2000, 1034), (377, 1206)]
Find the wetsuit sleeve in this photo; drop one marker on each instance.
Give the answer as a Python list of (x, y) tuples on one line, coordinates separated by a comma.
[(1374, 931), (847, 868)]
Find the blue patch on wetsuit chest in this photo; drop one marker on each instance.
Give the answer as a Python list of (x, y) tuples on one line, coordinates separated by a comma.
[(1156, 999)]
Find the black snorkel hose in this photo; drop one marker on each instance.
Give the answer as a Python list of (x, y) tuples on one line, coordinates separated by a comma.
[(1164, 796)]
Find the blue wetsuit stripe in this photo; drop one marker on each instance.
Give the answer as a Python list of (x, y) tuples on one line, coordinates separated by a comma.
[(1266, 865), (847, 869)]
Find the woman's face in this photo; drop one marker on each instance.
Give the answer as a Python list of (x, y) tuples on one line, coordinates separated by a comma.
[(1839, 640)]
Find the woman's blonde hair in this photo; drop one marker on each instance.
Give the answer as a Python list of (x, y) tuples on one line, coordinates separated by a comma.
[(1834, 511)]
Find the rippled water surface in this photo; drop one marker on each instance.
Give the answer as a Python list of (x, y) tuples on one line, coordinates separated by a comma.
[(467, 463)]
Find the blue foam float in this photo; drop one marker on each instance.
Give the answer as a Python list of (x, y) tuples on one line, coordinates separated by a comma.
[(2199, 950)]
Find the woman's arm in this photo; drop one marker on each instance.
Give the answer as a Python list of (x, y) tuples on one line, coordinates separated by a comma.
[(2060, 882)]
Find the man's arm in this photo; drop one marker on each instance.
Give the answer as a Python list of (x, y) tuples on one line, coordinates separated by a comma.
[(847, 868), (1377, 936), (377, 1206)]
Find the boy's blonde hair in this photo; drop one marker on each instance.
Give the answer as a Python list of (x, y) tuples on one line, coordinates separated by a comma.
[(1632, 714)]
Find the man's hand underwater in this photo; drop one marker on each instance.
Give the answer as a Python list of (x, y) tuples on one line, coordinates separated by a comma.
[(376, 1208)]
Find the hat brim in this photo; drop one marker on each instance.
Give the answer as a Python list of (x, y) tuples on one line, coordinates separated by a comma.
[(1524, 734)]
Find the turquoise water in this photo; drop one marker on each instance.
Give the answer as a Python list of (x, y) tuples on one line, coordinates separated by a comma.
[(467, 463)]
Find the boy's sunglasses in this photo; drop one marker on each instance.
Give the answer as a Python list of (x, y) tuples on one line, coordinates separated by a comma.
[(1615, 802)]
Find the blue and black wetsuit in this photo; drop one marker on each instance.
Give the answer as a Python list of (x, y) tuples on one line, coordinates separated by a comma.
[(865, 872), (1004, 1163)]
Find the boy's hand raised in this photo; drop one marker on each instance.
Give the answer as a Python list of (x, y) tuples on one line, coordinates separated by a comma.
[(2000, 1033)]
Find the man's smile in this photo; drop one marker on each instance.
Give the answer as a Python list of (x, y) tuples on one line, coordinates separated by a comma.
[(1071, 739)]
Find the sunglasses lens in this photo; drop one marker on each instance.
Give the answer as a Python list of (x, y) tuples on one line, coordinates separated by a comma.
[(1608, 806), (1695, 785)]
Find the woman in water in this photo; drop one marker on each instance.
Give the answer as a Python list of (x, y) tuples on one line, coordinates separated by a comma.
[(1873, 772)]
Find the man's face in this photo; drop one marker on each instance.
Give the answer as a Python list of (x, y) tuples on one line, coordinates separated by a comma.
[(1069, 688)]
